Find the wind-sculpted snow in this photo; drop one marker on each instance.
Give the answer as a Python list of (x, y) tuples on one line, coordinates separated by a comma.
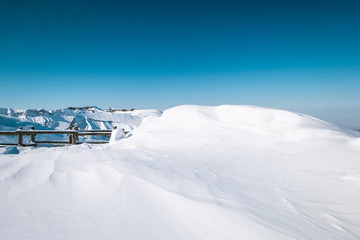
[(225, 172)]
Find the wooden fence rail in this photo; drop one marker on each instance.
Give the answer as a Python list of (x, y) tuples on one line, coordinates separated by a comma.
[(73, 136)]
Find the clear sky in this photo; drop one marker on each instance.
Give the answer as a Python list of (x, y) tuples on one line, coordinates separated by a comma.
[(158, 54)]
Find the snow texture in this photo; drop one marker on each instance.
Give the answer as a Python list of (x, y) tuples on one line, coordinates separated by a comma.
[(223, 172)]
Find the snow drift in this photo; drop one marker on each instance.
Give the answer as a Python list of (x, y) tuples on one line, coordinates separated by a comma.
[(224, 172)]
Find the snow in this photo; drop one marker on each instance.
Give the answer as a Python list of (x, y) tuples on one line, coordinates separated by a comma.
[(116, 135), (11, 150), (195, 172)]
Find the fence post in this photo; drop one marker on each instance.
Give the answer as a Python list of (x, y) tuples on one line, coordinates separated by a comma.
[(70, 136), (73, 136), (32, 136), (77, 135), (20, 136)]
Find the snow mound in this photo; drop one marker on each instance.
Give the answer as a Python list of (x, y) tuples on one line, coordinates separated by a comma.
[(11, 150), (249, 124), (241, 116), (195, 172)]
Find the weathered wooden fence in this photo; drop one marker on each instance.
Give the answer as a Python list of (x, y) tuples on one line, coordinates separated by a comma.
[(73, 136)]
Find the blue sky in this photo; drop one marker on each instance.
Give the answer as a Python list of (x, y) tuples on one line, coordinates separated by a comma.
[(158, 54)]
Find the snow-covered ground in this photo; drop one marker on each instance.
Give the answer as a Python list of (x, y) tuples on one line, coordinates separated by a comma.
[(195, 172)]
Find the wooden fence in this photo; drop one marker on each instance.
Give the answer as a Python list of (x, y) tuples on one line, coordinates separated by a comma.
[(73, 136)]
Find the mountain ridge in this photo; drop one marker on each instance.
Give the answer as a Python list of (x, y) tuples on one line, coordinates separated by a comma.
[(87, 117)]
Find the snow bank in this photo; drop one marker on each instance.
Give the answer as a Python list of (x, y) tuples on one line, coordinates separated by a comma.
[(116, 135), (223, 172)]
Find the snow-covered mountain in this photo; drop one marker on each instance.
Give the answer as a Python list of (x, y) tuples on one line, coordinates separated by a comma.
[(90, 117), (195, 172)]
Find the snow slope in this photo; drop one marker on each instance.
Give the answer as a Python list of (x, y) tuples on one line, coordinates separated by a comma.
[(223, 172)]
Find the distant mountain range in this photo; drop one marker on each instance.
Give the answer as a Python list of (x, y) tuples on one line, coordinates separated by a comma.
[(89, 117)]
